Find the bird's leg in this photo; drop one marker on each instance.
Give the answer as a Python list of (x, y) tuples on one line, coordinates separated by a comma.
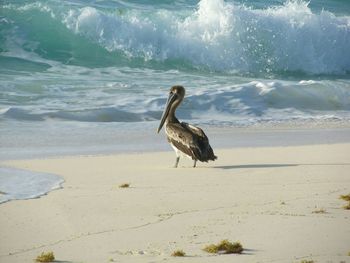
[(177, 161), (194, 164)]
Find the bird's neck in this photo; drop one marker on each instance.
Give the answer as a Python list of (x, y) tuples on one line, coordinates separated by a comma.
[(171, 116), (172, 119)]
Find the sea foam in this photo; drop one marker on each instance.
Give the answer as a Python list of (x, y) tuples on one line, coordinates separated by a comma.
[(227, 102), (16, 184), (224, 36), (214, 35)]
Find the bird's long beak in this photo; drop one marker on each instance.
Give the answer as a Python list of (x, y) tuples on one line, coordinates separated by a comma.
[(172, 97)]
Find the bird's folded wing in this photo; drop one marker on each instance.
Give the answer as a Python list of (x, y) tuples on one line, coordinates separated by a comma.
[(182, 139)]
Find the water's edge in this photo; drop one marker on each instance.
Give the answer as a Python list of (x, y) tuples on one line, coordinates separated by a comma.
[(19, 184)]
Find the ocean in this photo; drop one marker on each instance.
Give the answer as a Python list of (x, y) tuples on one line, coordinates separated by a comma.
[(80, 76)]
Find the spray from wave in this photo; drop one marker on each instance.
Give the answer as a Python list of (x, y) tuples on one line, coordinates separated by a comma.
[(215, 36)]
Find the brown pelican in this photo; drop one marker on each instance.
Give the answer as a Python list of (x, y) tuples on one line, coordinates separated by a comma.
[(183, 137)]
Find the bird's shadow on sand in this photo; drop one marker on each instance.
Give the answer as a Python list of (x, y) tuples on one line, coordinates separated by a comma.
[(273, 165), (247, 166), (248, 251)]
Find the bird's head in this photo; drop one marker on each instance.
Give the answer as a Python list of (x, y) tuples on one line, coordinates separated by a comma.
[(176, 95)]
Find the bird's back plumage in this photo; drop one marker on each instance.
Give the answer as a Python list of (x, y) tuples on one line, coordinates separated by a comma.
[(190, 140)]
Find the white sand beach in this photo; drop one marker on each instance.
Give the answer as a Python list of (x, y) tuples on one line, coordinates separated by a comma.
[(267, 198)]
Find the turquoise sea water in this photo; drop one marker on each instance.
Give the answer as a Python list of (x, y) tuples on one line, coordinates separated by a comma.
[(65, 65), (93, 76)]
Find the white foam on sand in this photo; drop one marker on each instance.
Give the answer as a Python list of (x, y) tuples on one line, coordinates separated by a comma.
[(18, 184)]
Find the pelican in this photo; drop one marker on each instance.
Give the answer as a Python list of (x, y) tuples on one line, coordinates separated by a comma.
[(183, 137)]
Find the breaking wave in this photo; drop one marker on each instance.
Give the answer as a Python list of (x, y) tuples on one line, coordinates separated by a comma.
[(213, 35)]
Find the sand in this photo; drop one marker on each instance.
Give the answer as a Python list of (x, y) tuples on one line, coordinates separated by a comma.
[(264, 197)]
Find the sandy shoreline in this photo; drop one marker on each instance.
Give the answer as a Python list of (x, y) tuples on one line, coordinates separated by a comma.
[(264, 197)]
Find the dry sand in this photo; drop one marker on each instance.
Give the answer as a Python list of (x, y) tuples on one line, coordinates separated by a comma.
[(262, 197)]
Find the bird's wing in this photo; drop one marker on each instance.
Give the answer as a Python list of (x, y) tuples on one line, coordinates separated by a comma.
[(183, 139), (195, 130), (201, 142), (190, 140)]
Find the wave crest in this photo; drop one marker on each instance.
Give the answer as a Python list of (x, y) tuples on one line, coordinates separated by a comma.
[(223, 36), (215, 36)]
